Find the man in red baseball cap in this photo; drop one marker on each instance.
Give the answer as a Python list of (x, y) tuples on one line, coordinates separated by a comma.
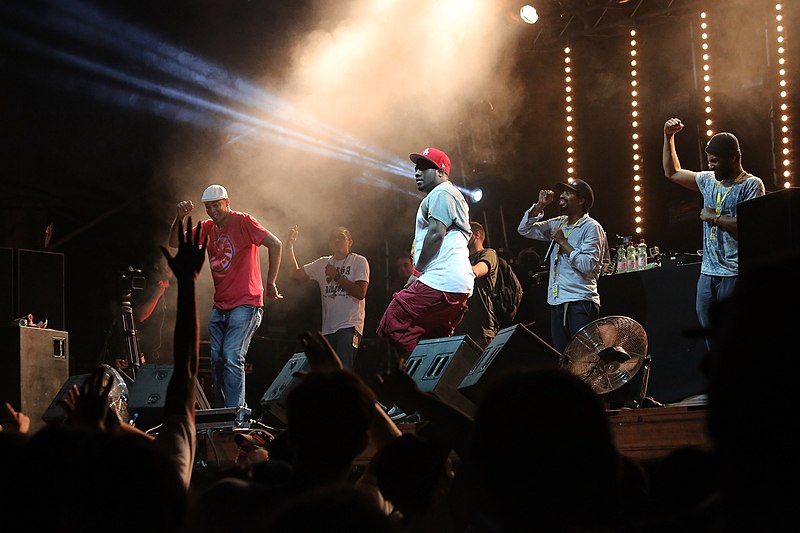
[(433, 301)]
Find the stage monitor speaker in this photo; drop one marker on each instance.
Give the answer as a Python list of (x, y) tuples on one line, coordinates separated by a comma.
[(34, 362), (514, 348), (780, 212), (274, 399), (147, 394), (439, 365), (54, 415)]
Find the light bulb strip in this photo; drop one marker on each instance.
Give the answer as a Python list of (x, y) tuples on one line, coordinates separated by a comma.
[(569, 117), (636, 149), (705, 64), (785, 152)]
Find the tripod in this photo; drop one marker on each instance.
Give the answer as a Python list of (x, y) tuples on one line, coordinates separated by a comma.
[(132, 350)]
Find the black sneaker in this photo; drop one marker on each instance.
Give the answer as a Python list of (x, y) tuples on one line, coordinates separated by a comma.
[(395, 413), (412, 418)]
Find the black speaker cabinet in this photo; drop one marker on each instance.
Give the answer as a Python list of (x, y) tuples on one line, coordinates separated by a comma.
[(514, 348), (439, 365), (34, 363), (147, 393), (777, 212), (274, 399), (266, 357)]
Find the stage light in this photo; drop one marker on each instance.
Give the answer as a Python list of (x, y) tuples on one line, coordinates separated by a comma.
[(528, 14), (477, 195)]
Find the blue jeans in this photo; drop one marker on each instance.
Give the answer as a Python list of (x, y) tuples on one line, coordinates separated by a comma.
[(567, 319), (710, 291), (342, 342), (231, 332)]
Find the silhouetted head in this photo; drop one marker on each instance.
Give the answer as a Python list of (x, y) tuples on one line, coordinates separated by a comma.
[(544, 448), (328, 417)]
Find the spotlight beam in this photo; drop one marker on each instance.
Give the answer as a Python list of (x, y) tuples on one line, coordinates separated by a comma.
[(79, 21)]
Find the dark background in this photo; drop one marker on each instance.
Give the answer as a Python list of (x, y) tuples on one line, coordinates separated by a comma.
[(96, 169)]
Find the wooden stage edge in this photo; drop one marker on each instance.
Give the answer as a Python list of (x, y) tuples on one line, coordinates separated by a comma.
[(648, 434), (643, 434)]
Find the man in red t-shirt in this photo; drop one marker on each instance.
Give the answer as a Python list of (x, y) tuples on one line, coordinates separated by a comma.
[(233, 241)]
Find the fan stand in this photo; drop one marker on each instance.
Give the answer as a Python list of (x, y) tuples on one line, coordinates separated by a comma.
[(633, 394)]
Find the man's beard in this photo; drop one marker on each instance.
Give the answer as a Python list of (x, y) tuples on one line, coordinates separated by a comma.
[(562, 208)]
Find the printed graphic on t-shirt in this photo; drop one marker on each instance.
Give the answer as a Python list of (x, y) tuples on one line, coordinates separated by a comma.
[(333, 289), (223, 254)]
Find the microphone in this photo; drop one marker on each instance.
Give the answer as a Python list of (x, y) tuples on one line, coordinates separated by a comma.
[(550, 248)]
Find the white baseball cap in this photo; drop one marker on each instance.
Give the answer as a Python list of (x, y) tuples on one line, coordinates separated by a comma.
[(214, 193)]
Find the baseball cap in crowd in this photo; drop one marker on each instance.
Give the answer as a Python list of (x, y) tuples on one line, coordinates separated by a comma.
[(214, 193), (724, 144), (436, 157), (581, 188), (255, 437)]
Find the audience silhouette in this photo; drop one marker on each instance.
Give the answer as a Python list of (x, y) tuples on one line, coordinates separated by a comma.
[(544, 449), (539, 455)]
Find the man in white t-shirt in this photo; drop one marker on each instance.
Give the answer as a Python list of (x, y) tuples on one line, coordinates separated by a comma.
[(433, 304), (343, 279)]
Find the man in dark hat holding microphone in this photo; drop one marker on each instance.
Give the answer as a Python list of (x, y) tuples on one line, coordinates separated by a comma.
[(723, 187), (576, 255)]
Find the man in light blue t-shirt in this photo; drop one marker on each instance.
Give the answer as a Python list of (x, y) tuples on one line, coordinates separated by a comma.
[(723, 187)]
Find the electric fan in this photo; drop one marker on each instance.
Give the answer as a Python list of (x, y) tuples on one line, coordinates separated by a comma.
[(118, 395), (607, 353)]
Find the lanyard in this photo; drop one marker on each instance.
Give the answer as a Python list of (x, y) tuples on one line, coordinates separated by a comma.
[(721, 200), (555, 261)]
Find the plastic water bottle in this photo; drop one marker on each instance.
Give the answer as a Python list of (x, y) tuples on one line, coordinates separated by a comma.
[(641, 255), (630, 253), (622, 259)]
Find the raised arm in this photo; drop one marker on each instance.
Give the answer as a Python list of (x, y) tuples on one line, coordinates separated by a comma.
[(186, 266), (177, 435), (545, 198), (143, 311), (298, 272), (669, 158), (184, 208)]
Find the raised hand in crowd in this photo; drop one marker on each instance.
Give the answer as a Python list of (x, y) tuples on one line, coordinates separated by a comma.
[(14, 421), (177, 433), (88, 406), (319, 352)]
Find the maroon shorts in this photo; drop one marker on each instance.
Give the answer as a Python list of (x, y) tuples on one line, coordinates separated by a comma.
[(420, 312)]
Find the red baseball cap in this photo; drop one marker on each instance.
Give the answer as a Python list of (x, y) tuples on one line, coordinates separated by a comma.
[(436, 157)]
